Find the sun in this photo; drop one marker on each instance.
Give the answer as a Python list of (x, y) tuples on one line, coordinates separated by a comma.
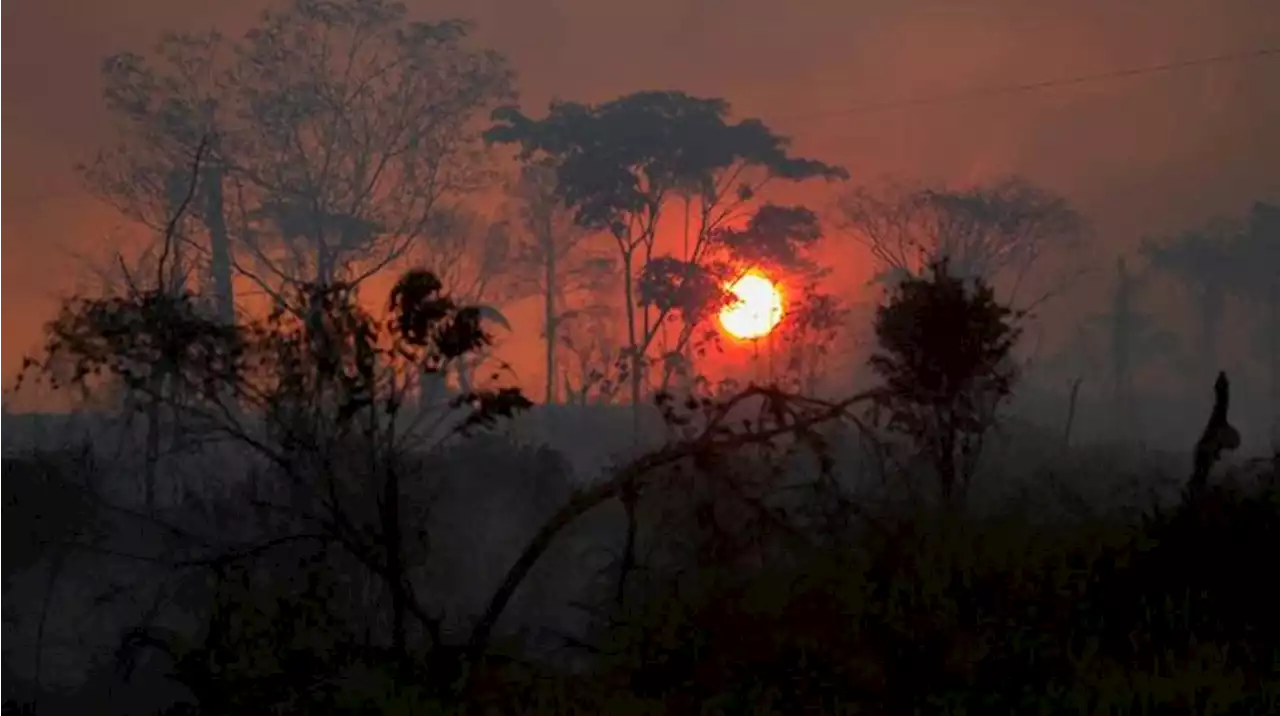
[(757, 310)]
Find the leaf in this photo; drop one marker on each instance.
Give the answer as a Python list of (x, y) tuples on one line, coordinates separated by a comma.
[(490, 313)]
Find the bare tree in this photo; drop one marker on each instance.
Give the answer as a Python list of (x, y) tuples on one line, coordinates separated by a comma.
[(996, 232), (593, 352), (334, 127), (354, 122), (165, 106)]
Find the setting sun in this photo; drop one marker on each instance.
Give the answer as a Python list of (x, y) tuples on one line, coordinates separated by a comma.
[(757, 310)]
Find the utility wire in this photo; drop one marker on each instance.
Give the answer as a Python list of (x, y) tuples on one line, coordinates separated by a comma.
[(980, 92), (960, 96)]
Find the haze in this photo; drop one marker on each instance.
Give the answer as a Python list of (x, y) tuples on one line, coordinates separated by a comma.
[(1137, 156)]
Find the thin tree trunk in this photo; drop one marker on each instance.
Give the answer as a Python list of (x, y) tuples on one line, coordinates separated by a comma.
[(632, 343), (1071, 412), (151, 450), (394, 546), (1275, 367), (219, 248), (55, 571), (549, 318)]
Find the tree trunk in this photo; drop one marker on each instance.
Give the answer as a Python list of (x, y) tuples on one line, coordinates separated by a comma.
[(550, 320), (632, 343), (1122, 324), (394, 546), (151, 451), (1274, 347), (219, 248)]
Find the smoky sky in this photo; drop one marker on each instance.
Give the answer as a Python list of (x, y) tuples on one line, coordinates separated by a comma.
[(1139, 155)]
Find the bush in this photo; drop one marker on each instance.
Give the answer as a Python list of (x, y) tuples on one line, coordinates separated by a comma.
[(996, 615)]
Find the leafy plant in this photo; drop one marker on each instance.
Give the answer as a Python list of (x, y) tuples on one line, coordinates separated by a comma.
[(944, 358)]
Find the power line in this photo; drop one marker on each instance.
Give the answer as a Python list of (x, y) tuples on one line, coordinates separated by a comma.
[(980, 92)]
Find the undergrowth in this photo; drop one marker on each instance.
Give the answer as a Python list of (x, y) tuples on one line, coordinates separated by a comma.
[(1173, 615)]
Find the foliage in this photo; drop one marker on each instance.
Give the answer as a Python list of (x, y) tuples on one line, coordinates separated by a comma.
[(775, 237), (999, 614), (944, 359), (620, 163), (320, 395), (682, 288), (621, 159)]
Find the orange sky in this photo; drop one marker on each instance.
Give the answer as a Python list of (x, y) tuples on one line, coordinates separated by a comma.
[(1136, 155)]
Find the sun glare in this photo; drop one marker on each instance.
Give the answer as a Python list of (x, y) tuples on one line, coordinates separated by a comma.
[(757, 310)]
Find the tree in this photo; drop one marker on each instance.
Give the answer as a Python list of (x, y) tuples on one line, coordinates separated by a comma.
[(318, 397), (165, 109), (808, 332), (1258, 251), (471, 256), (944, 358), (781, 241), (335, 129), (596, 364), (358, 121), (1203, 261), (1133, 339), (995, 232), (550, 260), (620, 163)]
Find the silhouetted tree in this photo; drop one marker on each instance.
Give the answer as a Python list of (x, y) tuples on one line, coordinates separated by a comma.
[(166, 106), (1203, 262), (782, 240), (620, 163), (596, 370), (1258, 251), (996, 232), (471, 256), (944, 358), (317, 395), (1133, 338), (357, 121), (335, 129), (550, 259)]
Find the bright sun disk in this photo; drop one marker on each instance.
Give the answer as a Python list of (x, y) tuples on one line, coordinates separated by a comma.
[(757, 310)]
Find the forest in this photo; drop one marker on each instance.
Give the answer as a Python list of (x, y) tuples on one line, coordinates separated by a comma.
[(294, 471)]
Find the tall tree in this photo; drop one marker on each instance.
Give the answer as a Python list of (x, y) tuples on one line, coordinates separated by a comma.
[(1133, 339), (551, 259), (996, 232), (166, 106), (1258, 251), (619, 165), (355, 121), (335, 127), (944, 359), (1203, 262)]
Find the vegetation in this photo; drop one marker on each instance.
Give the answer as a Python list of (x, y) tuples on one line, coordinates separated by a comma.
[(334, 515)]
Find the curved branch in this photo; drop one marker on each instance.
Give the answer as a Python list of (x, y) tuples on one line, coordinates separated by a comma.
[(710, 440)]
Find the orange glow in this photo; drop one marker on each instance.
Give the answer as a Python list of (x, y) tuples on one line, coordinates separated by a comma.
[(757, 310)]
